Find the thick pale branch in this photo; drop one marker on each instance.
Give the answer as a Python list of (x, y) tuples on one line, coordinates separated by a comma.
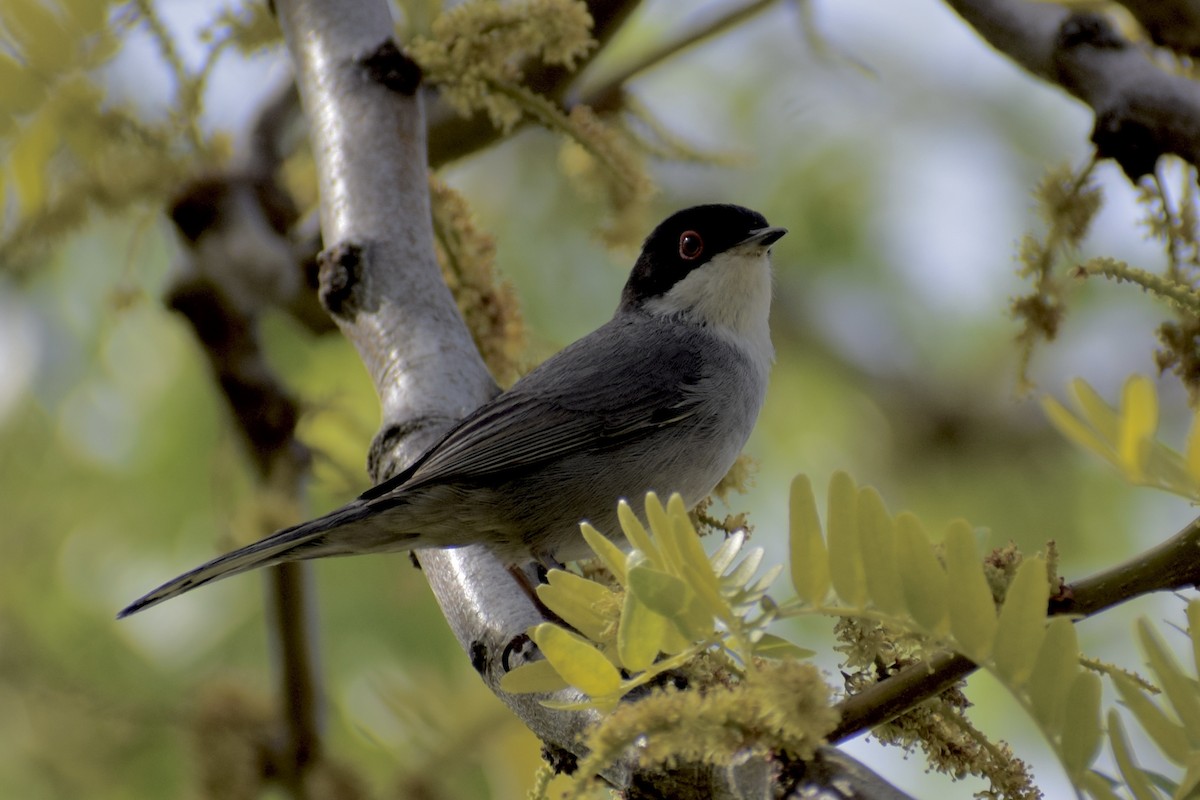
[(382, 284), (1173, 565), (1142, 110)]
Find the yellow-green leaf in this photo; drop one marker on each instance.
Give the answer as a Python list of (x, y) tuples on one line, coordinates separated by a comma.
[(1097, 413), (1070, 427), (29, 160), (609, 554), (1021, 627), (641, 635), (877, 535), (660, 526), (88, 15), (710, 597), (578, 601), (1192, 455), (578, 661), (1180, 690), (724, 555), (636, 533), (1193, 617), (40, 34), (1081, 734), (1054, 670), (1139, 421), (921, 574), (23, 91), (845, 551), (1135, 779), (687, 544), (534, 677), (1098, 786), (1191, 778), (771, 646), (972, 610), (809, 558), (1168, 734), (662, 592)]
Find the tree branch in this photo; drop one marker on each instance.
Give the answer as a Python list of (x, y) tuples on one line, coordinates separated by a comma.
[(1173, 565), (1142, 111)]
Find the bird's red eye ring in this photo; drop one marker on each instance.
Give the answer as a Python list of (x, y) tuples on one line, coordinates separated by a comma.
[(690, 246)]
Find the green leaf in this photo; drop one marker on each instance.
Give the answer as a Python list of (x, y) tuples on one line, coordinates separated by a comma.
[(1022, 624), (1191, 778), (972, 611), (1099, 414), (710, 597), (641, 635), (809, 558), (636, 533), (1081, 731), (23, 91), (662, 592), (536, 677), (1054, 670), (921, 574), (1180, 690), (1192, 454), (845, 551), (687, 547), (1193, 617), (1168, 734), (609, 554), (877, 535), (576, 600), (741, 574), (771, 646), (1098, 786), (1139, 421), (40, 33), (1135, 779), (660, 526), (579, 662), (1070, 427), (727, 552)]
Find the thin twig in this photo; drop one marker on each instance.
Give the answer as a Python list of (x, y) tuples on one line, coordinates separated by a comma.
[(607, 95)]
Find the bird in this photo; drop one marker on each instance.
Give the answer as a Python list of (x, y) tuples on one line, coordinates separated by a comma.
[(662, 397)]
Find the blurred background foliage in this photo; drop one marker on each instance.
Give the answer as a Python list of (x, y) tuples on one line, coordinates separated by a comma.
[(897, 148)]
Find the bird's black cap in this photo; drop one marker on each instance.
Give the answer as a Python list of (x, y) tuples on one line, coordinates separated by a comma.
[(689, 239)]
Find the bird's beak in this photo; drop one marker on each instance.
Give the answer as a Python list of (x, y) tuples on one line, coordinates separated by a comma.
[(763, 237)]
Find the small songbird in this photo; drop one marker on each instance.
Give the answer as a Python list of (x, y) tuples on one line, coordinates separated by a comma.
[(660, 398)]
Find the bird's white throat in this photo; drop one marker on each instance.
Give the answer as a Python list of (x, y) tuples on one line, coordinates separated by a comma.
[(731, 294)]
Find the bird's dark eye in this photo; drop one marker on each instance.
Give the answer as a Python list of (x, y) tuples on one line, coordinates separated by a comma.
[(690, 246)]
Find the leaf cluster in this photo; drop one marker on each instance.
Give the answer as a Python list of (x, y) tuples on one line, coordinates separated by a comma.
[(1125, 436)]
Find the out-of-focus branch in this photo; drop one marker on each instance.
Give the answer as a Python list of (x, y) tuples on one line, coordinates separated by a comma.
[(1173, 565), (1142, 110), (607, 96), (266, 417), (238, 262)]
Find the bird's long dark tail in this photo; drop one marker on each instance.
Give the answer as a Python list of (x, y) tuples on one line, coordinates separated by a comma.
[(311, 539)]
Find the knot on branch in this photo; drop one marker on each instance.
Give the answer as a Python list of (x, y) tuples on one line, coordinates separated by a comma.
[(341, 273), (1088, 29), (388, 66)]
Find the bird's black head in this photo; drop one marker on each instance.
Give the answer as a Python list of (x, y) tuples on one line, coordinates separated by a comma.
[(689, 239)]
